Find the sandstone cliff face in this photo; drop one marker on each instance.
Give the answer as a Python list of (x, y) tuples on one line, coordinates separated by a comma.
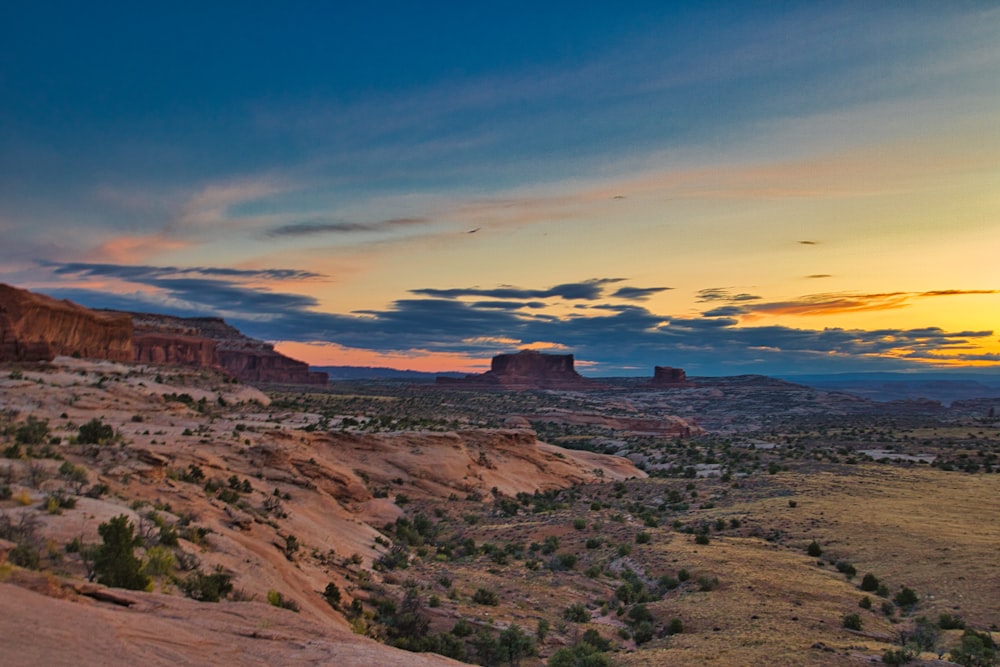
[(263, 364), (527, 369), (156, 348), (209, 341), (35, 327)]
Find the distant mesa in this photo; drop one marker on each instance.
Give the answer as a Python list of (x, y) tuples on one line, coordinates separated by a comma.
[(527, 369), (35, 327), (665, 376)]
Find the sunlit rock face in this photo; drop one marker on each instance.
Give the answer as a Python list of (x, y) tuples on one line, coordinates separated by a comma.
[(35, 327)]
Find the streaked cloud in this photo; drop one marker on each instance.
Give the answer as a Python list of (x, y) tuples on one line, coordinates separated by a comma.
[(318, 228)]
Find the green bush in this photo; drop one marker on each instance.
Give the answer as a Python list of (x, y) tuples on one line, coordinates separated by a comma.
[(95, 432), (898, 656), (332, 595), (581, 655), (851, 621), (814, 549), (869, 583), (675, 627), (977, 649), (576, 613), (115, 563), (486, 597), (276, 599), (906, 598), (209, 587), (32, 432), (949, 622)]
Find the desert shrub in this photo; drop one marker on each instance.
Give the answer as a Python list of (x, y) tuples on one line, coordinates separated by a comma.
[(846, 569), (643, 538), (514, 644), (95, 432), (923, 636), (581, 655), (643, 632), (949, 622), (542, 629), (486, 597), (276, 599), (332, 595), (594, 542), (897, 656), (865, 603), (31, 432), (869, 583), (209, 587), (594, 638), (463, 628), (977, 649), (159, 561), (701, 538), (115, 563), (397, 558), (576, 613), (707, 583), (814, 549), (906, 598), (579, 524), (486, 647), (563, 561), (851, 621), (75, 476), (675, 627)]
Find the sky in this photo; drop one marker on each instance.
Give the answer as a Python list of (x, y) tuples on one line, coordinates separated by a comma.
[(777, 188)]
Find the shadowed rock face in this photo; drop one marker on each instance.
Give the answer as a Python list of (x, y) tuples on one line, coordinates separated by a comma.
[(35, 327), (157, 348), (527, 369), (209, 341), (667, 376)]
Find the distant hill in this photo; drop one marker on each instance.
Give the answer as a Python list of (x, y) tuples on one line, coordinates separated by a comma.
[(381, 373), (945, 387)]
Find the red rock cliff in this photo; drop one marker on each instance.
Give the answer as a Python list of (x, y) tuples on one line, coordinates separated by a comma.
[(35, 327), (209, 341)]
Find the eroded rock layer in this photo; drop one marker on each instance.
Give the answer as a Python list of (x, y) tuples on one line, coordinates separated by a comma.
[(35, 327)]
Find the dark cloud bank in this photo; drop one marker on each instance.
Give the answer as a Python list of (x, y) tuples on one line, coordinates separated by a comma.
[(611, 329)]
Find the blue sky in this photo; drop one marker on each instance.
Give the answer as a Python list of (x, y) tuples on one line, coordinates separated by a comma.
[(726, 187)]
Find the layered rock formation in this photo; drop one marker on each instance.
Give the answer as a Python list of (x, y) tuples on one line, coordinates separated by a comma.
[(209, 341), (35, 327), (665, 376), (527, 369)]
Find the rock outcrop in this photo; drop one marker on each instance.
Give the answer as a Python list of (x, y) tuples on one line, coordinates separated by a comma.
[(210, 341), (35, 327), (665, 376), (165, 348), (527, 369)]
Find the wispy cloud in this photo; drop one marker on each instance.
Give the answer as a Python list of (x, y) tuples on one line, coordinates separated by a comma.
[(140, 273), (318, 228), (588, 290)]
